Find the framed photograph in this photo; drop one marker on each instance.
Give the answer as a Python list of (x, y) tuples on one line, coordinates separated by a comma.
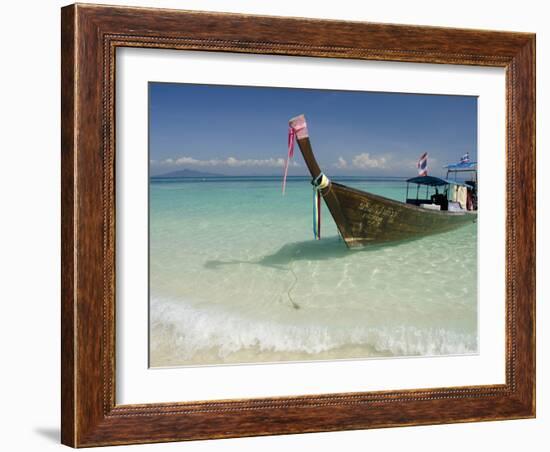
[(281, 225)]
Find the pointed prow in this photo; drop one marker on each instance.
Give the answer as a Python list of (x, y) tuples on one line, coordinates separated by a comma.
[(299, 125), (321, 183)]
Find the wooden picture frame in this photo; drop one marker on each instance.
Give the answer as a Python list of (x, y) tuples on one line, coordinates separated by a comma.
[(90, 36)]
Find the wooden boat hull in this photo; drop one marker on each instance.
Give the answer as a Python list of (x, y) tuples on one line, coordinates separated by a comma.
[(364, 218), (371, 218)]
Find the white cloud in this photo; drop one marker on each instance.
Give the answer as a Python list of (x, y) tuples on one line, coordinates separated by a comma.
[(232, 162), (364, 160), (182, 161), (341, 163), (386, 162)]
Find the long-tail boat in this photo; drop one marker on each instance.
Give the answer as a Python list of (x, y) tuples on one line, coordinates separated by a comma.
[(363, 218)]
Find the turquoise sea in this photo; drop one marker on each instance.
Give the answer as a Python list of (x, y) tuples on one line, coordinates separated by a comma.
[(236, 277)]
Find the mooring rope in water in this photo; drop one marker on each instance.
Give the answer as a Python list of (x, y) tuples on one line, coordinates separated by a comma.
[(292, 302), (319, 183)]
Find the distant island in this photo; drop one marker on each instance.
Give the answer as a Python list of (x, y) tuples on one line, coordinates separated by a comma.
[(188, 173)]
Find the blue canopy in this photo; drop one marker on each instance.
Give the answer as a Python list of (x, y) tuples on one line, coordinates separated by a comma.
[(461, 166), (433, 181), (428, 180)]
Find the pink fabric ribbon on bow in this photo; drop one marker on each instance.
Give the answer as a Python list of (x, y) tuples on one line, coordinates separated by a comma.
[(291, 141)]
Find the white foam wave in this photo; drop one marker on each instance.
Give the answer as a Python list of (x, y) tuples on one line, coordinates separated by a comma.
[(187, 330)]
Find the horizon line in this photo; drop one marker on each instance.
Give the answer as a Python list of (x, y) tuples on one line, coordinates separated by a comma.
[(167, 176)]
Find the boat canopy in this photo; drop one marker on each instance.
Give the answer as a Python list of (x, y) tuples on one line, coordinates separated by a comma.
[(432, 181), (462, 166), (428, 180)]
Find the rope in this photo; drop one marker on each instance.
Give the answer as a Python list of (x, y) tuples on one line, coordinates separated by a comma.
[(292, 131), (292, 302)]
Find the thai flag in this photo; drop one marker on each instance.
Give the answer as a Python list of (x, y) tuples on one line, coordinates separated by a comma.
[(465, 158), (422, 165)]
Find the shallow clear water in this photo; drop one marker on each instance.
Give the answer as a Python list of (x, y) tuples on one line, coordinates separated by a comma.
[(235, 276)]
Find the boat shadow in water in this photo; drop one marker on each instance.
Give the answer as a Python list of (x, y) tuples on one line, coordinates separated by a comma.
[(309, 250)]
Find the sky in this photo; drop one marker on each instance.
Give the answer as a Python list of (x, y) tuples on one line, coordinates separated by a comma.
[(242, 131)]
